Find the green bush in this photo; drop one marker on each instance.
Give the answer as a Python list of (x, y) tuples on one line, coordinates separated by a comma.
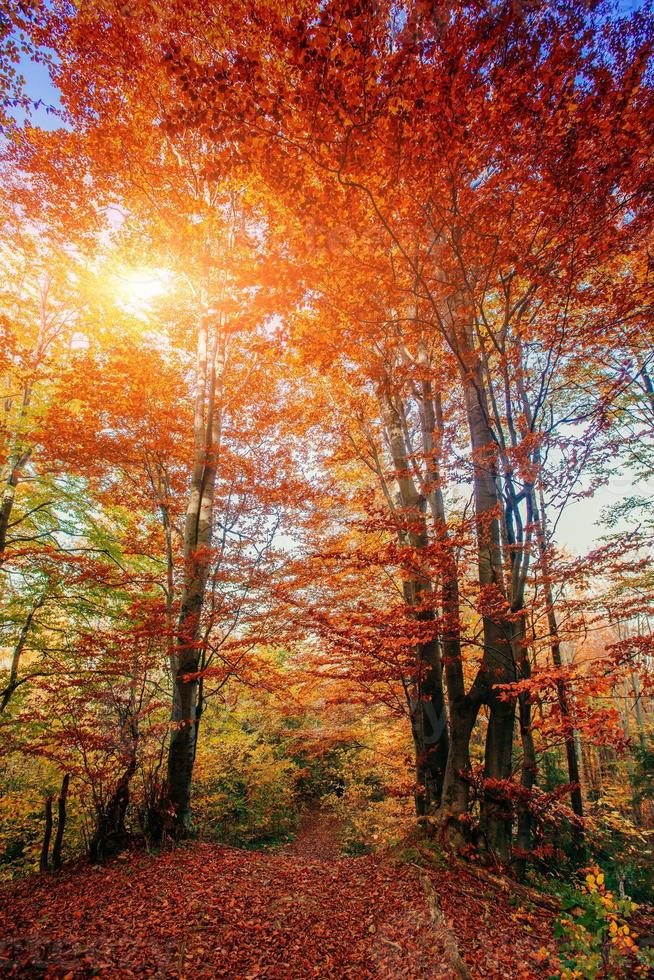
[(594, 934), (244, 789)]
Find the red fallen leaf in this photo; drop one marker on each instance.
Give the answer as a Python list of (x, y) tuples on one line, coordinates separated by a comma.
[(298, 912)]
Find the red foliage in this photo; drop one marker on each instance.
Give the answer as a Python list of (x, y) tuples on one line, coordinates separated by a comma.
[(221, 912)]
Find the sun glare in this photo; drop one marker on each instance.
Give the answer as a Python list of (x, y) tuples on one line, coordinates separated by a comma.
[(138, 289)]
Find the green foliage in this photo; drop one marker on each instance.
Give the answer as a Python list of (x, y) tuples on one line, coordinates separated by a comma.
[(642, 780), (625, 850), (594, 936), (371, 825), (321, 771), (552, 773), (245, 787), (20, 821), (617, 835), (24, 785), (372, 818)]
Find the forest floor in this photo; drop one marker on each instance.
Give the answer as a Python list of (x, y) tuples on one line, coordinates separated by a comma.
[(304, 910)]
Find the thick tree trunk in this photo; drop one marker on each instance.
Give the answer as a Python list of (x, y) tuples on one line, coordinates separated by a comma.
[(496, 809), (429, 727), (181, 753), (463, 708), (455, 800), (498, 665), (427, 702)]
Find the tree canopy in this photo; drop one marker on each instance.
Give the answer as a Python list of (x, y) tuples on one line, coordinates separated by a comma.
[(322, 324)]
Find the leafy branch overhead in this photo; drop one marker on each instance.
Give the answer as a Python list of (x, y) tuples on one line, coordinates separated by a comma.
[(326, 455)]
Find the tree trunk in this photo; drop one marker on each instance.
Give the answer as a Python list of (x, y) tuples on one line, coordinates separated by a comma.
[(427, 702), (638, 710), (429, 727), (61, 823), (14, 683), (562, 692), (498, 665), (197, 564), (47, 834), (463, 708), (110, 834), (529, 767), (18, 456), (496, 809), (455, 801)]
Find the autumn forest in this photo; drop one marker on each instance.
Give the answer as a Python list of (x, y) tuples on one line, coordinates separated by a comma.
[(326, 488)]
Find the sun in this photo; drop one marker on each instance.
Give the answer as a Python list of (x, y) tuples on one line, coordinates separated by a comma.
[(138, 289)]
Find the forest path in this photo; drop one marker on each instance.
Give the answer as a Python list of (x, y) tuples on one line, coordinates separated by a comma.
[(205, 910), (318, 837)]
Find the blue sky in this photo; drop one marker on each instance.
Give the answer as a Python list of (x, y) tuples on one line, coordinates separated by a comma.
[(39, 87)]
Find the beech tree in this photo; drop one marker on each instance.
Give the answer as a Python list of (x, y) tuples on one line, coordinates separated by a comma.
[(399, 325), (481, 225)]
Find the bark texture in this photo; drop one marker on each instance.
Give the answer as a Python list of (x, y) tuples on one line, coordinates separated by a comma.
[(427, 699), (61, 823), (187, 654), (47, 836)]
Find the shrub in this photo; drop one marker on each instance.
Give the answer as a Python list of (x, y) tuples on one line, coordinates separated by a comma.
[(594, 934)]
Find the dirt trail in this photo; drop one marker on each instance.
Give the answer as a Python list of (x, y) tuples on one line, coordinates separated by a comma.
[(209, 911), (318, 838)]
